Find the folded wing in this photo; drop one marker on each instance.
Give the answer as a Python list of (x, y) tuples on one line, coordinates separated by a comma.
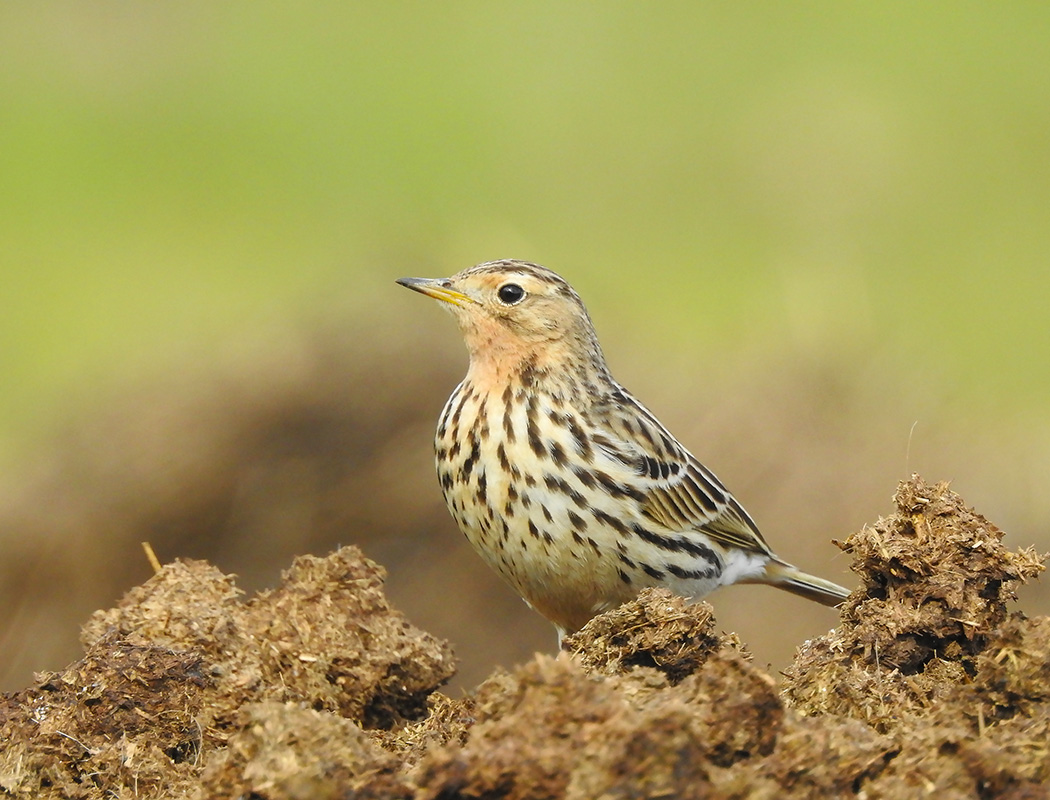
[(677, 491)]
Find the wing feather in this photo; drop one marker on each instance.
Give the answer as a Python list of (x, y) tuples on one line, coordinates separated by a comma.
[(684, 498)]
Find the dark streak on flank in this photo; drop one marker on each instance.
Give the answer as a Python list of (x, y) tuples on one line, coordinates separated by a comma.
[(577, 522), (557, 454), (579, 438), (690, 574), (556, 484), (677, 544), (617, 489), (652, 572), (585, 477), (615, 523)]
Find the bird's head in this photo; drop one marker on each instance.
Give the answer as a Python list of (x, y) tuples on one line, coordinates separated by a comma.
[(512, 311)]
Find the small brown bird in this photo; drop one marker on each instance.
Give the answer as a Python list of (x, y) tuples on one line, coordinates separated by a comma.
[(564, 483)]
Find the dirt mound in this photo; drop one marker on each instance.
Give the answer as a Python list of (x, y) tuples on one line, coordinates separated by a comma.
[(183, 678), (318, 689)]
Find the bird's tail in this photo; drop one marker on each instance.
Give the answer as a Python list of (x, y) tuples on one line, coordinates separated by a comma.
[(791, 579)]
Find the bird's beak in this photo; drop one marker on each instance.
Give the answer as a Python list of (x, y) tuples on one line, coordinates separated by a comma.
[(438, 288)]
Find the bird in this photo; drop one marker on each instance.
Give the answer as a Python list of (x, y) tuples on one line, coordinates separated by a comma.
[(563, 482)]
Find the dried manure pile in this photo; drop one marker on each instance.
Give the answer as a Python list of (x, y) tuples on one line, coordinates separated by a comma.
[(319, 689)]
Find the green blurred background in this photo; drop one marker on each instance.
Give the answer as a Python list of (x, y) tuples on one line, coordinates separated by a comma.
[(813, 237)]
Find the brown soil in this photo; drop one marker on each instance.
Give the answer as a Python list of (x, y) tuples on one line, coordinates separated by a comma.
[(319, 689)]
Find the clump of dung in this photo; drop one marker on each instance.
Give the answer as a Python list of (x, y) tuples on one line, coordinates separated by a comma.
[(929, 654), (936, 582), (183, 673)]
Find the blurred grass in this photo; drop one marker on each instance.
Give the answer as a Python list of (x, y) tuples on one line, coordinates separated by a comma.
[(815, 175)]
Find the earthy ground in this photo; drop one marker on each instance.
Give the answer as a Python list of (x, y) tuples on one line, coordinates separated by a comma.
[(929, 684)]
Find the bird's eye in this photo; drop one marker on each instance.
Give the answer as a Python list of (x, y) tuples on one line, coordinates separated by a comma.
[(510, 293)]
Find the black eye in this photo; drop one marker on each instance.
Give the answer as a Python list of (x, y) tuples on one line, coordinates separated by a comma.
[(510, 293)]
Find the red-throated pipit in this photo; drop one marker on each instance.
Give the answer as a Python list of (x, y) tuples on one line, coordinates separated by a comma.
[(564, 483)]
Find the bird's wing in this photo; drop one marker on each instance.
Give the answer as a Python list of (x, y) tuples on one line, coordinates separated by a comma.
[(676, 490)]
